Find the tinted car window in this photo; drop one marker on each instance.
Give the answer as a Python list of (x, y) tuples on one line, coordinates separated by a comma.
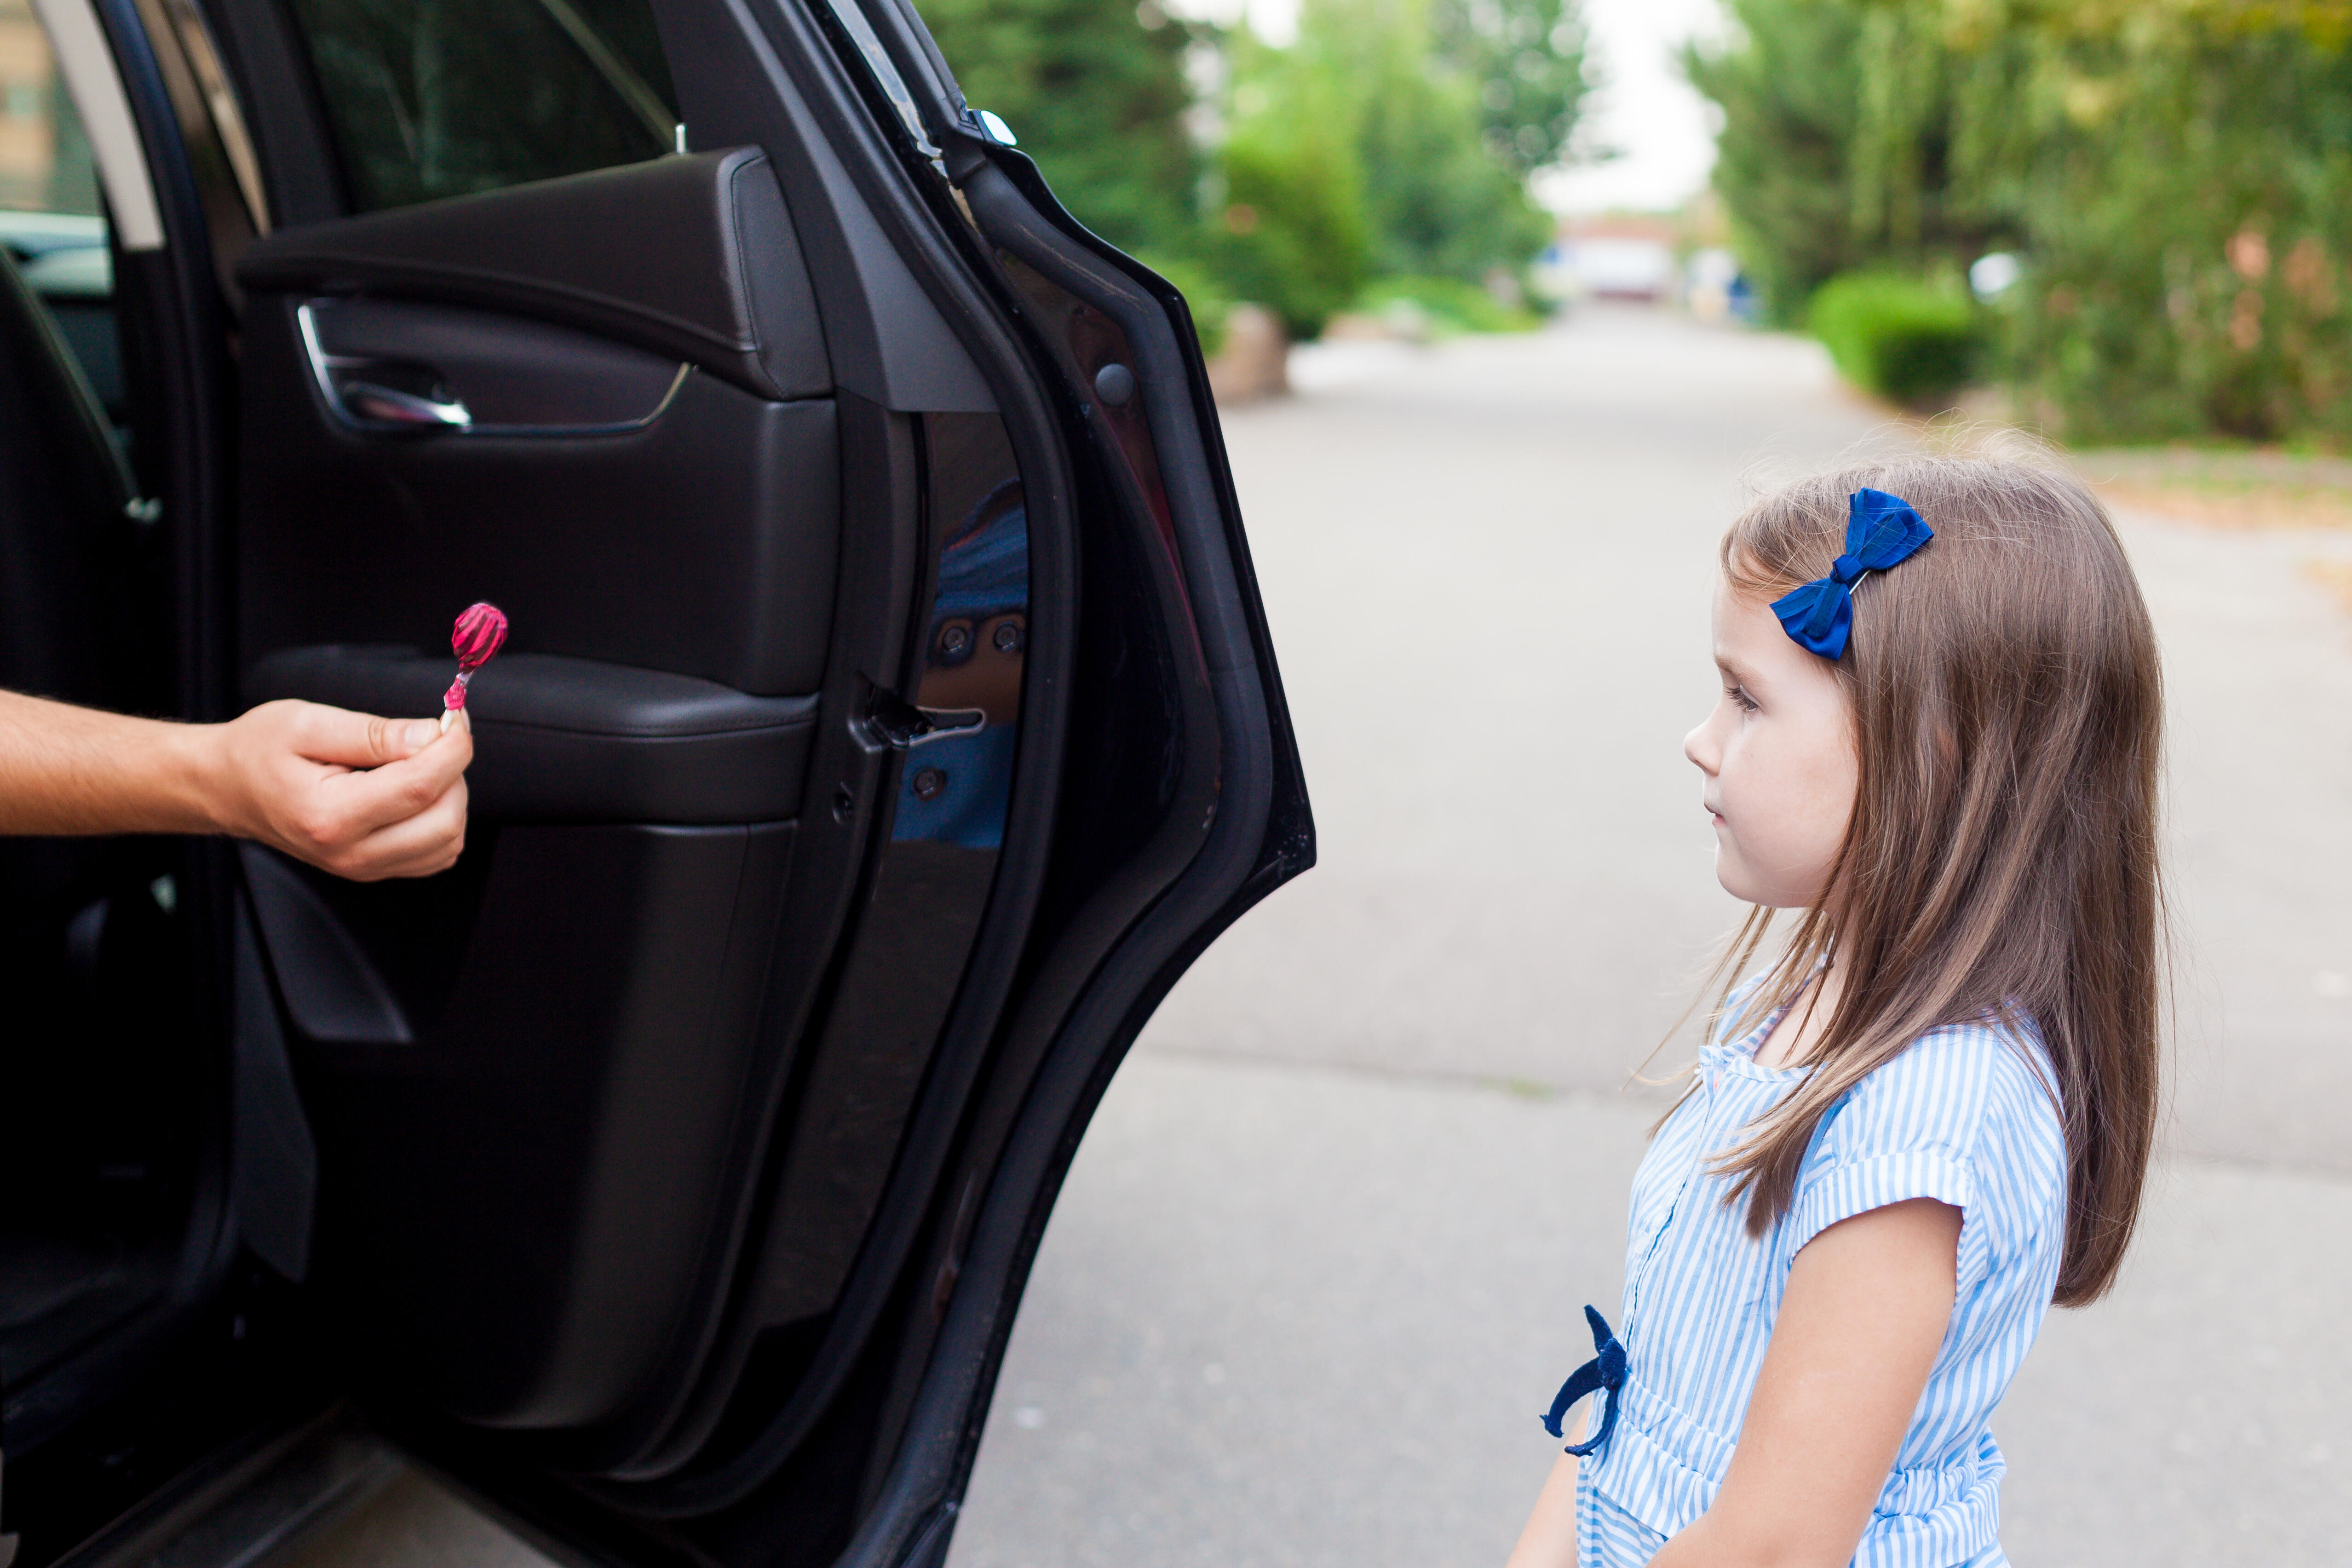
[(45, 160), (49, 211), (440, 98)]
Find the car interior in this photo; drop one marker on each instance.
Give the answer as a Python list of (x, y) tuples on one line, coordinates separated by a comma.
[(98, 1168)]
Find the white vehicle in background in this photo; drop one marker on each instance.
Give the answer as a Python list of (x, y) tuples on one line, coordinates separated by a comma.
[(1605, 266)]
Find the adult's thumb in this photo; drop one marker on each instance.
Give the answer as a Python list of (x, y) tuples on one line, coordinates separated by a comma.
[(365, 740)]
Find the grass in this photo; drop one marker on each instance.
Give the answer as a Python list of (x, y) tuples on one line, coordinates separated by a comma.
[(1448, 305), (2225, 488)]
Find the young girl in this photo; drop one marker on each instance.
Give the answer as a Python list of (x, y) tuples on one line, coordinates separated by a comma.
[(1927, 1118)]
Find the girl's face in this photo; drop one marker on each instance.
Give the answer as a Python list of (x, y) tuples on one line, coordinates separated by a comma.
[(1780, 759)]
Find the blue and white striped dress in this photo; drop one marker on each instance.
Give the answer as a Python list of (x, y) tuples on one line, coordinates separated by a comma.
[(1965, 1115)]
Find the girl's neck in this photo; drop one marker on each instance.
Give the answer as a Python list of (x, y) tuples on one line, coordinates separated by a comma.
[(1791, 1039)]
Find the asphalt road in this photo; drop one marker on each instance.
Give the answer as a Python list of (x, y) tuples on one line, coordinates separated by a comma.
[(1320, 1260)]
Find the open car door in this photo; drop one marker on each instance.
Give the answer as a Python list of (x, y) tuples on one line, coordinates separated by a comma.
[(888, 719)]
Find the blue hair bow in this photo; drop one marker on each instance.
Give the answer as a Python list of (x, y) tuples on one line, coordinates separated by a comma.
[(1880, 530)]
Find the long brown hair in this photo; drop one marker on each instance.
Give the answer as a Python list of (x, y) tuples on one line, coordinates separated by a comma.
[(2001, 859)]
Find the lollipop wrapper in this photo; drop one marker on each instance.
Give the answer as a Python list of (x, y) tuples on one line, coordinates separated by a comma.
[(480, 632)]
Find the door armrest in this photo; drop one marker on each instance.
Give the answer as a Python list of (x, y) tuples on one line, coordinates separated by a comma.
[(573, 740)]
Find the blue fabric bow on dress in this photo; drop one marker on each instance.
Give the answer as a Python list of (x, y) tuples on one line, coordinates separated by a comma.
[(1604, 1375), (1880, 530)]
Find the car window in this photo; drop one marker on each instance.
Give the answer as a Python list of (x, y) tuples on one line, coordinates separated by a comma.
[(429, 99), (51, 221)]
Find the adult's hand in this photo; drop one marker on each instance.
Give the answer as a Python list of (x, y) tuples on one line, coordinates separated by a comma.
[(358, 795)]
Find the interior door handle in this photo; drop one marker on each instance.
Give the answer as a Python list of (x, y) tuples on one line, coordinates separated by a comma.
[(379, 404)]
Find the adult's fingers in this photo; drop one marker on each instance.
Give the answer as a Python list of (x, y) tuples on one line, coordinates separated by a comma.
[(325, 733), (396, 791), (418, 845)]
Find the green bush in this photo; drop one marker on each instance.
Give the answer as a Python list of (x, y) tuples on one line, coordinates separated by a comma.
[(1450, 305), (1293, 236), (1909, 341)]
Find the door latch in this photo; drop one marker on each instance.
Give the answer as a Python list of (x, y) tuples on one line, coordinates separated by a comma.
[(901, 724)]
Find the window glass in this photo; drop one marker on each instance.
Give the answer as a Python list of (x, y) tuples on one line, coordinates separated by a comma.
[(45, 160), (440, 98), (51, 224)]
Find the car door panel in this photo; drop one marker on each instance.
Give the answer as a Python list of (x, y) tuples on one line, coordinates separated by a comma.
[(701, 544), (721, 289), (513, 1207)]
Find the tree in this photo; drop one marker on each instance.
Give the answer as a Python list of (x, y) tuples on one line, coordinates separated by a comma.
[(1368, 148), (1097, 92), (2176, 177), (1291, 231), (1526, 61), (1838, 149), (1445, 197)]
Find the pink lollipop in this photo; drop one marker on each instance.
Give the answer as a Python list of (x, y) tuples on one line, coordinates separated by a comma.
[(481, 630)]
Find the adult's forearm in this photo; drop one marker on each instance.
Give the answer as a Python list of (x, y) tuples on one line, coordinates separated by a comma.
[(66, 770)]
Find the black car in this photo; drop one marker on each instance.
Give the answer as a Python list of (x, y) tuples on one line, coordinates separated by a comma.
[(889, 718)]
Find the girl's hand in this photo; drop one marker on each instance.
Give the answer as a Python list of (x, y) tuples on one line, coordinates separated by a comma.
[(1864, 1314), (362, 796)]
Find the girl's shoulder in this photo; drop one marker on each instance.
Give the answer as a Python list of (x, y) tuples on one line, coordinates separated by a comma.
[(1967, 1113), (1981, 1093)]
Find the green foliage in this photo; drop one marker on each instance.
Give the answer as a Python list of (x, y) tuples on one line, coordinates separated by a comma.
[(1440, 200), (1447, 305), (1292, 233), (2190, 199), (1524, 60), (1393, 138), (1370, 148), (1909, 341), (2178, 179), (1837, 150), (1096, 91)]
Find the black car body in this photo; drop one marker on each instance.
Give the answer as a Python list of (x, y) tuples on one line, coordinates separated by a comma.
[(889, 719)]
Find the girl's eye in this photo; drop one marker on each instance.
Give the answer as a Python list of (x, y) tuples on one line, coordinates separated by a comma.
[(1739, 695)]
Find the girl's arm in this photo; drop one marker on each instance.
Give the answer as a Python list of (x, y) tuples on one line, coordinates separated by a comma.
[(1550, 1539), (1864, 1314)]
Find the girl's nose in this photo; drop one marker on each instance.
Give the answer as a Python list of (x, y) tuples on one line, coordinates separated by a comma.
[(1698, 746)]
